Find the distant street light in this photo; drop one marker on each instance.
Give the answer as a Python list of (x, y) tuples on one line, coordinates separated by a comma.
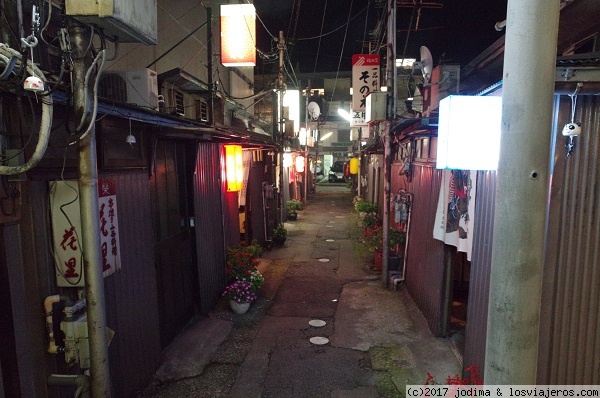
[(344, 114)]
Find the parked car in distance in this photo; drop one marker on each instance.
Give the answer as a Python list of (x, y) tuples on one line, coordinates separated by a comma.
[(336, 173)]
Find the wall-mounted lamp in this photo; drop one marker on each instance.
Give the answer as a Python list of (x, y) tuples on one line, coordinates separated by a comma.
[(469, 132), (234, 167)]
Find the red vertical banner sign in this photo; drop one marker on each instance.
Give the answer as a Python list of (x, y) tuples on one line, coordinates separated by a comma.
[(365, 79)]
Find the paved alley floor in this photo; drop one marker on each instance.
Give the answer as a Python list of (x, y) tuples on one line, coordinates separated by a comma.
[(377, 340)]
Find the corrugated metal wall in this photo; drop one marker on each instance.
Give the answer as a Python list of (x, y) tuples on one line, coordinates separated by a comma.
[(481, 261), (210, 234), (131, 294), (425, 260), (570, 326)]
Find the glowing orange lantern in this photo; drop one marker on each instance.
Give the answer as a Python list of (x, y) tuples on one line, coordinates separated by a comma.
[(354, 166), (238, 35), (299, 164), (234, 167)]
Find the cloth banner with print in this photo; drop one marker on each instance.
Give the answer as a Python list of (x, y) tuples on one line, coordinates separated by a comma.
[(454, 219)]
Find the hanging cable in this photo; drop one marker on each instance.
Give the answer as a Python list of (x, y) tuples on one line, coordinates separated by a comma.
[(342, 51), (336, 29), (320, 36)]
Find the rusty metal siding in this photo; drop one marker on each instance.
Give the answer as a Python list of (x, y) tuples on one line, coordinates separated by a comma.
[(209, 189), (569, 329), (131, 293), (425, 259), (481, 261)]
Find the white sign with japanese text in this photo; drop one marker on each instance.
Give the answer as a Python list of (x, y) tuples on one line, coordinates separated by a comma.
[(66, 231), (365, 78)]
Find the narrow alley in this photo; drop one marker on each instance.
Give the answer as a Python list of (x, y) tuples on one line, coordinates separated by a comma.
[(377, 340)]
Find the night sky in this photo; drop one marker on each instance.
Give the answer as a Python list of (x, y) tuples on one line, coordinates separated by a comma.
[(455, 31)]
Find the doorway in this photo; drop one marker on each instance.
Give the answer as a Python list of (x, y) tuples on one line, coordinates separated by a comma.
[(175, 241)]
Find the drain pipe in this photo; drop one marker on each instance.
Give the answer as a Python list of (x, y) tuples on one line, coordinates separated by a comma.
[(88, 189), (48, 302)]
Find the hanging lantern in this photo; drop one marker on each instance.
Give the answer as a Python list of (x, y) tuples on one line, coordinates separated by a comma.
[(287, 159), (234, 167), (299, 164), (238, 35), (354, 166)]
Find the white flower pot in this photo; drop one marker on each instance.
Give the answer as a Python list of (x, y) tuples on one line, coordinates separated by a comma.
[(239, 308)]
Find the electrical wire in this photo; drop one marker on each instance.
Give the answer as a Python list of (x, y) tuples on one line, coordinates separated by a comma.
[(320, 37), (342, 51), (336, 29)]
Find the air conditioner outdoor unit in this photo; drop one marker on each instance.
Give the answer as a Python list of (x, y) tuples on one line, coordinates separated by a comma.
[(138, 87), (130, 21), (174, 102)]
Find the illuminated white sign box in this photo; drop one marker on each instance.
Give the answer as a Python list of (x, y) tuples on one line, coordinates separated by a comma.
[(469, 132), (238, 35)]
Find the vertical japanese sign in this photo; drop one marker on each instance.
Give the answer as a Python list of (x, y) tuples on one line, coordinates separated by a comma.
[(66, 231), (365, 78), (109, 226)]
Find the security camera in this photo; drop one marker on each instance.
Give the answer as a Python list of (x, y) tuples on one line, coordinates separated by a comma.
[(572, 129)]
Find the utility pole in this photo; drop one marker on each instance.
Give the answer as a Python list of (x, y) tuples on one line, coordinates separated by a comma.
[(90, 225), (209, 61), (281, 87), (306, 163), (390, 70), (522, 193)]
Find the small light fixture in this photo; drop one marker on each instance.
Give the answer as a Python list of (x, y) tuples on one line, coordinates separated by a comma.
[(130, 139), (234, 167)]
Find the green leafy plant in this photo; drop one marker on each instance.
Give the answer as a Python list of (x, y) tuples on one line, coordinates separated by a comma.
[(374, 238), (396, 237), (294, 205), (363, 206), (279, 234), (370, 220)]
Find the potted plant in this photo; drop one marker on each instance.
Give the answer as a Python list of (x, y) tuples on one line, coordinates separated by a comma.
[(279, 235), (370, 221), (241, 261), (374, 241), (243, 275), (240, 294), (293, 206), (364, 207)]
